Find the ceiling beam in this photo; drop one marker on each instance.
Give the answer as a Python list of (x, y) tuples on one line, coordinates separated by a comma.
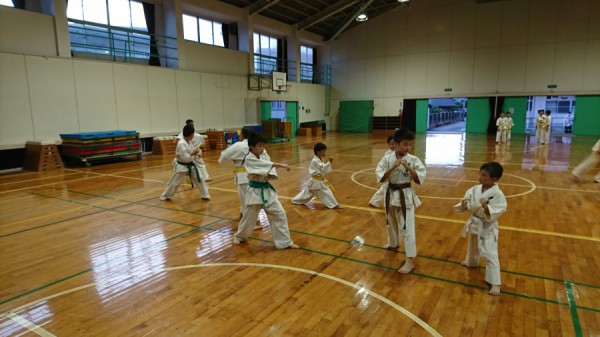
[(349, 20), (324, 14), (261, 5)]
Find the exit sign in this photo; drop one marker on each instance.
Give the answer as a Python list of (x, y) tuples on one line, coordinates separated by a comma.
[(447, 89), (552, 86)]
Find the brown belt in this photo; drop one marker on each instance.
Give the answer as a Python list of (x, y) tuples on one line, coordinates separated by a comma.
[(401, 188)]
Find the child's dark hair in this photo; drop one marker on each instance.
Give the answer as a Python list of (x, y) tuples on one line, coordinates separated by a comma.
[(548, 112), (188, 130), (189, 121), (246, 132), (390, 138), (319, 147), (256, 138), (494, 169), (403, 134)]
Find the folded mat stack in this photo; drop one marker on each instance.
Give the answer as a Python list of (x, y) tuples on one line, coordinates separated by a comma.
[(89, 146)]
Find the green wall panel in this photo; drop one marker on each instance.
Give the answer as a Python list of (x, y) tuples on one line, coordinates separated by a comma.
[(478, 114), (587, 116), (421, 119)]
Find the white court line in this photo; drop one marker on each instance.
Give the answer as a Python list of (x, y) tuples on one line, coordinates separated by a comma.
[(358, 287), (36, 329)]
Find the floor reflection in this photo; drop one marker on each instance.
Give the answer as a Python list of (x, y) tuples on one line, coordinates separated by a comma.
[(135, 259), (445, 149)]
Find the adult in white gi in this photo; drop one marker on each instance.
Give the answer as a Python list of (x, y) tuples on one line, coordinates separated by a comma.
[(197, 142), (184, 165), (540, 125), (486, 202), (379, 195), (236, 154), (501, 129), (509, 125), (399, 169), (318, 185), (591, 161), (548, 128), (261, 194)]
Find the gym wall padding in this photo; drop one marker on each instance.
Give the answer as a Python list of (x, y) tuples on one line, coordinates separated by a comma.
[(356, 116)]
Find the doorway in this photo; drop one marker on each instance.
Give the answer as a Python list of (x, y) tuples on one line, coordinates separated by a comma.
[(448, 115), (562, 111)]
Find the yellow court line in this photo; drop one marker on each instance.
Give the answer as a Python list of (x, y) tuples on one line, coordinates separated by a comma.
[(361, 289), (533, 231), (36, 329)]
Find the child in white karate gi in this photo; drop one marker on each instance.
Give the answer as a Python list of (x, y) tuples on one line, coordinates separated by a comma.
[(318, 185), (261, 194), (197, 141), (540, 125), (236, 154), (378, 196), (486, 202), (509, 125), (547, 129), (399, 169), (185, 165), (501, 129)]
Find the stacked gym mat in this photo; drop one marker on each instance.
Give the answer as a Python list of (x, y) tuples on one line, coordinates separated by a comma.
[(89, 146)]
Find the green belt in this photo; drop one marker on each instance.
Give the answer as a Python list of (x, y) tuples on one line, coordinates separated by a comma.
[(189, 167), (262, 186)]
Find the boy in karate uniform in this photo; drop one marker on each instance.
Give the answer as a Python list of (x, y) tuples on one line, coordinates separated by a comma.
[(540, 125), (547, 128), (197, 141), (501, 128), (486, 202), (261, 194), (318, 185), (185, 165), (378, 196), (399, 169), (509, 125), (236, 154)]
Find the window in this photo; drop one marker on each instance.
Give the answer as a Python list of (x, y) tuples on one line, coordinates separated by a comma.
[(7, 3), (111, 27), (306, 64), (203, 30), (265, 54)]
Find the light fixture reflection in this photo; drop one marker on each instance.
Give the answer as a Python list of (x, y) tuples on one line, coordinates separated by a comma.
[(362, 17)]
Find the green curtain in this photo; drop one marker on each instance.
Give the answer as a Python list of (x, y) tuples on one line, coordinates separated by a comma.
[(356, 116)]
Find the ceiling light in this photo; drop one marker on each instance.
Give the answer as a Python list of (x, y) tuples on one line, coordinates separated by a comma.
[(362, 17), (403, 0)]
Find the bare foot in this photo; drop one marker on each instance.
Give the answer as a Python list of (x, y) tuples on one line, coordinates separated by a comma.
[(292, 246), (258, 225), (338, 206), (495, 290), (236, 240), (371, 205), (465, 264), (390, 247), (407, 267), (206, 199)]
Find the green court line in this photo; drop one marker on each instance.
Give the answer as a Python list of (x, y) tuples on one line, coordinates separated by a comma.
[(205, 227), (50, 224), (340, 240), (128, 255), (573, 308)]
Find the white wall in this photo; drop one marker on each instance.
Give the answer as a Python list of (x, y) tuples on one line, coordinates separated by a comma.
[(26, 32), (42, 97), (506, 47)]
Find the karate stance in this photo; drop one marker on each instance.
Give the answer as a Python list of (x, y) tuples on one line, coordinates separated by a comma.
[(540, 125), (197, 141), (486, 202), (236, 154), (509, 125), (399, 169), (261, 194), (185, 165), (318, 185), (379, 195), (547, 128), (501, 125)]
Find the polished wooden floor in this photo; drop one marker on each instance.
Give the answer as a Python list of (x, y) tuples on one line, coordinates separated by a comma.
[(92, 251)]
